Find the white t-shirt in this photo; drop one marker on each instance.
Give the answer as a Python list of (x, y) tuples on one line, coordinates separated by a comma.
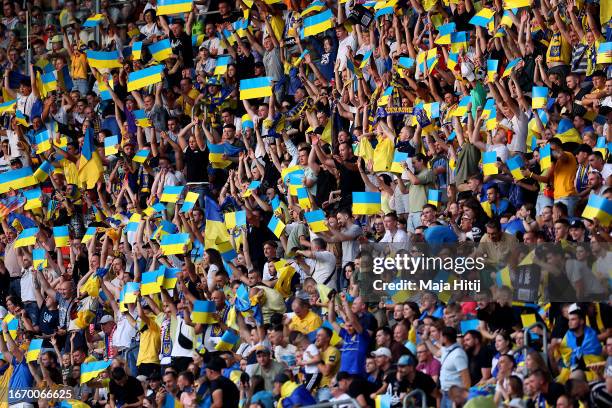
[(177, 349), (399, 236), (285, 355), (25, 103), (343, 47), (311, 352), (27, 286), (322, 266), (122, 338)]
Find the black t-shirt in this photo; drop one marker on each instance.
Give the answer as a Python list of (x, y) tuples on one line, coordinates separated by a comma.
[(350, 181), (245, 66), (196, 164), (48, 323), (478, 361), (498, 317), (421, 381), (462, 20), (231, 396), (181, 46), (362, 387), (128, 393)]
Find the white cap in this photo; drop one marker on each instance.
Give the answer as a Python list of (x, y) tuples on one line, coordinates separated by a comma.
[(106, 319), (382, 351), (573, 308)]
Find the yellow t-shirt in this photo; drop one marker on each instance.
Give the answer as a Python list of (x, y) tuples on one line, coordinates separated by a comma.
[(330, 355), (193, 93), (559, 50), (308, 324), (150, 343), (563, 177), (71, 172), (78, 66)]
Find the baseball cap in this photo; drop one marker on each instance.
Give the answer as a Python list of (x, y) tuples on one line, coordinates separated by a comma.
[(381, 351), (56, 38), (406, 360), (281, 378), (263, 349), (106, 319), (577, 224)]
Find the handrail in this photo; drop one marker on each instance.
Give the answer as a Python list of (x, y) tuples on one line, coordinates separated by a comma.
[(334, 404), (526, 338), (416, 391)]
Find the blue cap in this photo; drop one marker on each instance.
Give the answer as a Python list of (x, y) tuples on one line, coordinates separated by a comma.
[(406, 360)]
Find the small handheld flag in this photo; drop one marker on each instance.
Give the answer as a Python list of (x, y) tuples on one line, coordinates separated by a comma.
[(61, 236), (600, 208), (539, 97), (171, 194), (34, 350), (110, 145), (204, 312), (489, 163), (276, 226), (366, 203), (514, 165), (255, 88), (316, 221), (433, 197), (189, 202)]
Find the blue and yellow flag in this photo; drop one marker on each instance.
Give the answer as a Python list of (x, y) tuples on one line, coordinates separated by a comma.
[(12, 325), (489, 163), (316, 221), (171, 194), (600, 208), (141, 118), (539, 97), (174, 244), (459, 41), (49, 82), (61, 235), (235, 219), (366, 203), (170, 277), (90, 371), (141, 156), (204, 312), (39, 258), (482, 18), (103, 59), (43, 142), (89, 165), (276, 226), (502, 278), (137, 50), (545, 157), (253, 88), (161, 50), (433, 197), (444, 33), (189, 202), (17, 179), (510, 67), (34, 350), (515, 4), (514, 165), (145, 77), (228, 340), (318, 23), (151, 282), (492, 69), (89, 234), (221, 67), (93, 21), (169, 7), (8, 106), (33, 199), (385, 97), (110, 145)]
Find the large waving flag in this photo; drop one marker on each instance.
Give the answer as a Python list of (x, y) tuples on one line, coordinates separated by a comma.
[(318, 23), (255, 88), (90, 371), (145, 77), (161, 50), (167, 7), (90, 165), (103, 59), (366, 203), (16, 179)]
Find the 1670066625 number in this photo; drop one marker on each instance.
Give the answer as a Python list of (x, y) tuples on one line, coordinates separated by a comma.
[(34, 394)]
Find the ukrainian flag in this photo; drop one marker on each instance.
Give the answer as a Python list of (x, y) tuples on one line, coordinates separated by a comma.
[(228, 341), (171, 402), (89, 234), (105, 94), (366, 203), (170, 277), (39, 258), (235, 219), (161, 50), (601, 146), (16, 179), (34, 350), (432, 110), (49, 82), (171, 194), (453, 60), (386, 96), (221, 67), (303, 198), (539, 97), (482, 18), (567, 133), (26, 238), (510, 66), (150, 283), (604, 53), (189, 202), (137, 50), (406, 62), (398, 159), (514, 165), (491, 121), (33, 199), (384, 8), (145, 77), (61, 235), (8, 106), (241, 26), (174, 244), (93, 21), (459, 41), (167, 7), (316, 221), (90, 371), (502, 278), (462, 108), (545, 157), (129, 292), (492, 69), (432, 59), (90, 165), (103, 59), (318, 23), (599, 207), (141, 156), (314, 7), (444, 33), (21, 119), (141, 118), (433, 197), (204, 312), (383, 401), (12, 325), (43, 143), (215, 230), (276, 226), (133, 223), (489, 163), (255, 88), (514, 4), (215, 155), (110, 145)]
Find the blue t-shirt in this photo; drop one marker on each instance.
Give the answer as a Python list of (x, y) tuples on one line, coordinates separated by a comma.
[(354, 351), (21, 377)]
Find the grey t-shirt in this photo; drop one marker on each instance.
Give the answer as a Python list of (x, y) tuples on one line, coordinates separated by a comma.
[(272, 64)]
